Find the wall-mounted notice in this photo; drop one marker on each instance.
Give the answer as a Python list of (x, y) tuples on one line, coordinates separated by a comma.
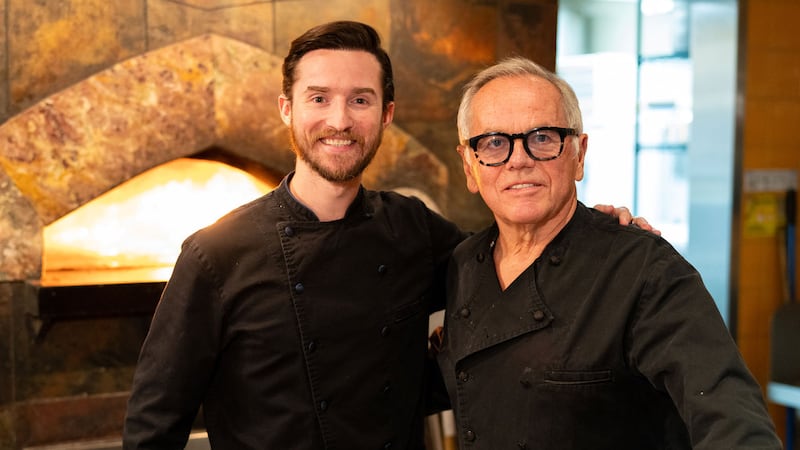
[(764, 192)]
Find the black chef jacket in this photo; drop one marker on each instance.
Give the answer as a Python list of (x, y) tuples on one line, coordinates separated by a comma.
[(608, 341), (294, 333)]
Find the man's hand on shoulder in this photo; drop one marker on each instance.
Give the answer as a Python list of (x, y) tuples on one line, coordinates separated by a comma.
[(626, 218)]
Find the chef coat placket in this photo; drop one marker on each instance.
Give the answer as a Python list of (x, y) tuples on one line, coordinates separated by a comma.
[(289, 243), (337, 331), (483, 324)]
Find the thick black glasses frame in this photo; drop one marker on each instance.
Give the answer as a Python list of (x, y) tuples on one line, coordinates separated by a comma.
[(562, 133)]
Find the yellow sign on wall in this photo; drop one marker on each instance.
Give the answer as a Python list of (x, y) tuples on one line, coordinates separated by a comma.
[(764, 209), (763, 214)]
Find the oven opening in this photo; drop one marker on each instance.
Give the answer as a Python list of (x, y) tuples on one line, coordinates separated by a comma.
[(113, 255)]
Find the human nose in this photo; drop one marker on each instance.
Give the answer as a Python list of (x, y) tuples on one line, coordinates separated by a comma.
[(339, 117), (519, 157)]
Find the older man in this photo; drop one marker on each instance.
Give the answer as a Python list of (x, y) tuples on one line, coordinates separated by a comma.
[(563, 329)]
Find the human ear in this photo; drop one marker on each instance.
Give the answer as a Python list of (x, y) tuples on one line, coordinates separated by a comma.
[(285, 107), (472, 182), (583, 145), (388, 114)]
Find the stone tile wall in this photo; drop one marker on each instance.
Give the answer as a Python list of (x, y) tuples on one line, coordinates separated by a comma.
[(70, 67)]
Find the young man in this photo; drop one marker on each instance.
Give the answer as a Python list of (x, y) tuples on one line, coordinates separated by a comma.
[(300, 320)]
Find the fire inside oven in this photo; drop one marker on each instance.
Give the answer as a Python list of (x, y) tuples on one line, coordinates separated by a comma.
[(113, 255)]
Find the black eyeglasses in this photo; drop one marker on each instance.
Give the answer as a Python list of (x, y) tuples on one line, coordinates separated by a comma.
[(542, 144)]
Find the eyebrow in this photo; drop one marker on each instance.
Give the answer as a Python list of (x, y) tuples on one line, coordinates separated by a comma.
[(364, 90)]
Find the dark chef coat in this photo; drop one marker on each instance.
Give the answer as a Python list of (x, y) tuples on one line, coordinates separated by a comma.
[(609, 340), (295, 333)]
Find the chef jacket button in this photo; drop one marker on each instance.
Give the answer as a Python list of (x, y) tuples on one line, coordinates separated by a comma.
[(299, 288), (311, 346), (289, 231), (480, 257), (538, 315), (387, 388), (464, 312), (385, 331), (323, 405), (469, 435), (527, 376), (463, 376), (382, 269), (555, 260)]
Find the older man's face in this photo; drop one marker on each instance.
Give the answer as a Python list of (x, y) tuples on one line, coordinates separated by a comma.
[(524, 191)]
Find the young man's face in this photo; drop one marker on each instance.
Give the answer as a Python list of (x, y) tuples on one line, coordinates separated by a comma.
[(336, 116)]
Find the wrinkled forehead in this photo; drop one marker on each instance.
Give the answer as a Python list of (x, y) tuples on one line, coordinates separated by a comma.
[(516, 103)]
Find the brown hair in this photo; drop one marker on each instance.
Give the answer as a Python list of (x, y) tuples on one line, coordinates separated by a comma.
[(340, 35)]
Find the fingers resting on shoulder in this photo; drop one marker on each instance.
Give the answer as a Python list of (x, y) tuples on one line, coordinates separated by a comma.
[(626, 218)]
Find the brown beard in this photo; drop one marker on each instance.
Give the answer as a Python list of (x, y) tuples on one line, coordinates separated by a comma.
[(337, 174)]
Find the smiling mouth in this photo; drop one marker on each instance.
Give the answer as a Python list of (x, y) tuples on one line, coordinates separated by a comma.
[(337, 142), (523, 186)]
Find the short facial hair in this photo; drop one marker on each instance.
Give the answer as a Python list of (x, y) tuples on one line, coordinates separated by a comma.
[(336, 175)]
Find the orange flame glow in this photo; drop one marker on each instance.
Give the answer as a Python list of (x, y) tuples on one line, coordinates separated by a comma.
[(142, 222)]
